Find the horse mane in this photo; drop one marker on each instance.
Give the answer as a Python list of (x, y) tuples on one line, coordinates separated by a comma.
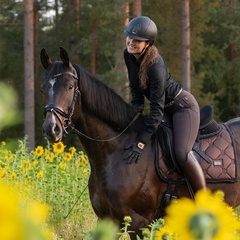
[(103, 101)]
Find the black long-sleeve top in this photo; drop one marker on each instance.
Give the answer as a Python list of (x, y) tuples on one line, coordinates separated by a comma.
[(161, 89)]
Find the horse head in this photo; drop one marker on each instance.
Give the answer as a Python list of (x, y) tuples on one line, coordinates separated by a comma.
[(60, 90)]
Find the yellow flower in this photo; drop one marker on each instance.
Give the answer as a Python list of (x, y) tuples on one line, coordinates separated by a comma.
[(9, 157), (35, 163), (25, 161), (40, 174), (4, 151), (164, 233), (58, 147), (39, 210), (83, 160), (206, 218), (50, 156), (20, 217), (3, 143), (39, 151), (13, 176), (84, 172), (63, 165), (68, 157), (72, 150), (2, 173), (10, 222), (46, 152), (28, 165)]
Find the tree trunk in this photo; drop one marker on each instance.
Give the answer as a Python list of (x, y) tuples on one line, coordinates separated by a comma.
[(126, 9), (77, 13), (75, 48), (36, 29), (29, 115), (185, 33), (136, 8)]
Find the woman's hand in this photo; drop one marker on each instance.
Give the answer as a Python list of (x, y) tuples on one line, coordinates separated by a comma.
[(136, 150)]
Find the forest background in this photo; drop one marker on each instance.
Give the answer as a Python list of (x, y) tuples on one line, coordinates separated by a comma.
[(92, 32)]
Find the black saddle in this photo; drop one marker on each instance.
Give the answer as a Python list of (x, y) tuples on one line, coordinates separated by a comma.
[(208, 127)]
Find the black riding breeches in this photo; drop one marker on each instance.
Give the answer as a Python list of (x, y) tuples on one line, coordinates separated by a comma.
[(186, 118)]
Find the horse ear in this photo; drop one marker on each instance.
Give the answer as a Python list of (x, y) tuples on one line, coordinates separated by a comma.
[(64, 56), (46, 61)]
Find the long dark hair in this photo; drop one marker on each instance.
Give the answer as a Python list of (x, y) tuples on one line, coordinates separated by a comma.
[(150, 56)]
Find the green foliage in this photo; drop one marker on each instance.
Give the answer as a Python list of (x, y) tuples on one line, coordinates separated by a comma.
[(219, 65), (11, 59), (214, 47), (9, 114)]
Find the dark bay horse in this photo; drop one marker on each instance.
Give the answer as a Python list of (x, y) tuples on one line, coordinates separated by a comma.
[(105, 124)]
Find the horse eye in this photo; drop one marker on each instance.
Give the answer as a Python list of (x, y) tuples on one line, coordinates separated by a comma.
[(70, 87)]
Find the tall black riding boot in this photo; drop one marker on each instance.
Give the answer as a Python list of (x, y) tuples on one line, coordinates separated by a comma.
[(194, 173)]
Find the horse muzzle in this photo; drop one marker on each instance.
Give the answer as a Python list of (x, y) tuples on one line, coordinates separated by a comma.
[(51, 128)]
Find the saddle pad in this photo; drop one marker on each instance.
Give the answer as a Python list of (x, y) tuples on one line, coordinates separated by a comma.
[(220, 149)]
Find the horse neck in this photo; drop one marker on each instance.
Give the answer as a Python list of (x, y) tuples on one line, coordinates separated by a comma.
[(97, 138), (103, 103), (102, 115), (93, 126)]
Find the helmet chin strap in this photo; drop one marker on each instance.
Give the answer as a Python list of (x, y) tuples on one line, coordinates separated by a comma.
[(138, 55)]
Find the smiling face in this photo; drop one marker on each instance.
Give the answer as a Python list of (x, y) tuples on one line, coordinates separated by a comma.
[(135, 47)]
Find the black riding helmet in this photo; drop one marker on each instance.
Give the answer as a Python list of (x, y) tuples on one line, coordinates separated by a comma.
[(141, 28)]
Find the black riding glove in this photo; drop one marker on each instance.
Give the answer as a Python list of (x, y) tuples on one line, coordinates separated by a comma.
[(136, 150)]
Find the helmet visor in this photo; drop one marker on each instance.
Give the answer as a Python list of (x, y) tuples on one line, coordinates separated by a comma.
[(134, 36)]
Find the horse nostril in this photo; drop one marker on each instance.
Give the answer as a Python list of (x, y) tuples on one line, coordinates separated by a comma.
[(57, 130)]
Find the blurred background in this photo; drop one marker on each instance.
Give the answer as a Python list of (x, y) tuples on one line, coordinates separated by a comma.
[(92, 33)]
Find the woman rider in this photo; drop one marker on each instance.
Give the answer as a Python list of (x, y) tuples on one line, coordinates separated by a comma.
[(149, 76)]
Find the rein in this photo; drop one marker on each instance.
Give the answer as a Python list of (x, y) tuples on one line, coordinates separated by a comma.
[(104, 140), (56, 110)]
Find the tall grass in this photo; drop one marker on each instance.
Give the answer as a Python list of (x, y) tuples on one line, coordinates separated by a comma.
[(58, 176)]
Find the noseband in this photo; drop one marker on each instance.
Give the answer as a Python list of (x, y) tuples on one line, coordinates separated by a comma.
[(58, 111)]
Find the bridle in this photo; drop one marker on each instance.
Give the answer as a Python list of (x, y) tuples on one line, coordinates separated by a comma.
[(66, 123), (58, 111)]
